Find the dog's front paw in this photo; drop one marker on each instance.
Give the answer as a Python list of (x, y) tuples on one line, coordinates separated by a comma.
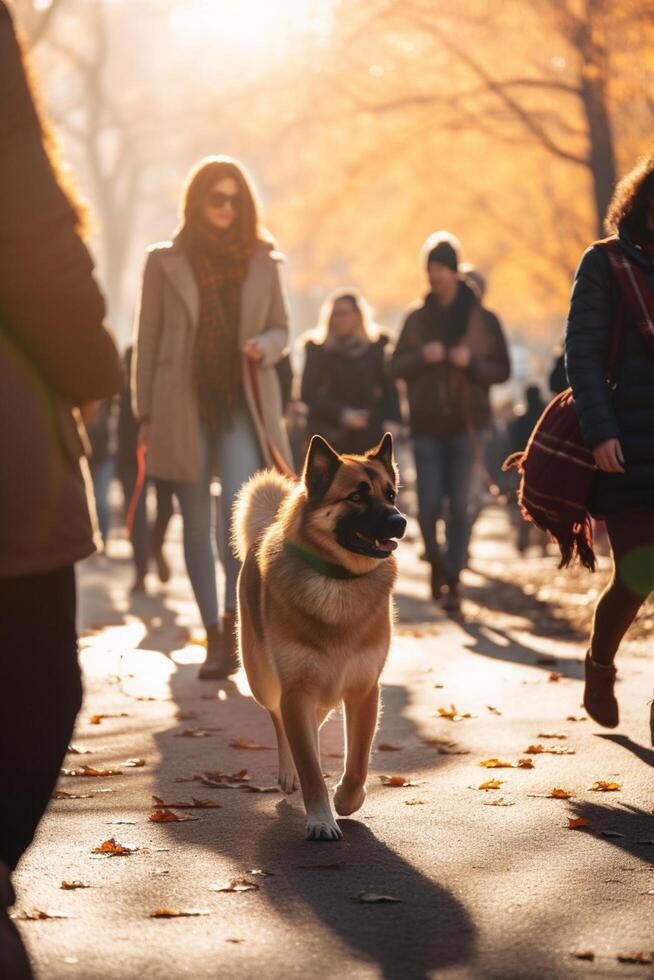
[(323, 828), (288, 780), (348, 800)]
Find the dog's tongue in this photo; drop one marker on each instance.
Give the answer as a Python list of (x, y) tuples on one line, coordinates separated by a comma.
[(386, 544)]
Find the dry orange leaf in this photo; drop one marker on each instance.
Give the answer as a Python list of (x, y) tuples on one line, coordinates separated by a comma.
[(194, 805), (400, 781), (559, 794), (602, 786), (246, 743), (525, 764), (177, 913), (167, 816), (551, 735), (548, 750), (193, 733), (643, 958), (555, 676), (576, 718), (414, 802), (37, 915), (96, 719), (493, 710), (492, 784), (499, 764), (374, 898), (69, 886), (90, 771), (500, 801), (452, 714), (113, 849), (583, 954), (236, 885), (575, 822)]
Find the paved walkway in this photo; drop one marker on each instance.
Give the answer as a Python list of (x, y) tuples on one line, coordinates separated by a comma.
[(484, 889)]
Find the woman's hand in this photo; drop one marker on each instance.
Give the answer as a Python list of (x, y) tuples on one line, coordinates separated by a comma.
[(460, 356), (253, 350), (609, 457), (143, 438), (433, 352)]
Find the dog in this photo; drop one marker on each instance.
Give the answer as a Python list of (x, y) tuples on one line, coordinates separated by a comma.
[(315, 610)]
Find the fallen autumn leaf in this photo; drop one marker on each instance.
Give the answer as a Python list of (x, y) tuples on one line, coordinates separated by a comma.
[(372, 898)]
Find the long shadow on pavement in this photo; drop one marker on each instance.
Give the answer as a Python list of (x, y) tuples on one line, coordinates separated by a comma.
[(634, 827), (429, 929), (499, 645), (640, 751)]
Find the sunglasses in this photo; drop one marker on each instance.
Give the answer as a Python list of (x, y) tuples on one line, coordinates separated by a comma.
[(217, 199)]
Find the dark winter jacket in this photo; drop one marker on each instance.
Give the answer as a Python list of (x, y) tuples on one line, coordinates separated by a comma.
[(626, 413), (444, 399), (333, 381), (54, 350)]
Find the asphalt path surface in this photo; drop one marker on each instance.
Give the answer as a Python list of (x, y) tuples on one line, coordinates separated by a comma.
[(487, 883)]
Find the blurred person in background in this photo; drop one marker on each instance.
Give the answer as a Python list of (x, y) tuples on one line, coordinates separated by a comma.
[(102, 460), (211, 327), (449, 353), (346, 383), (617, 420), (519, 430), (147, 542), (55, 355), (558, 379)]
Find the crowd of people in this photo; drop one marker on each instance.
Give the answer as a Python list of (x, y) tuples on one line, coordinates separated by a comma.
[(202, 395)]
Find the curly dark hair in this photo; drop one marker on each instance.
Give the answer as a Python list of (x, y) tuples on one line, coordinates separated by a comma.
[(632, 196)]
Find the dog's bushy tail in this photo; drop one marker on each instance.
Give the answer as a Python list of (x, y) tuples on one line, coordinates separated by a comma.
[(255, 508)]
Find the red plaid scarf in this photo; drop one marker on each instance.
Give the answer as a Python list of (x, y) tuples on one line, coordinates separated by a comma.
[(220, 265)]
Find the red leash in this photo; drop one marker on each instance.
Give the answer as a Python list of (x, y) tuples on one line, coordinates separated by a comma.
[(138, 489)]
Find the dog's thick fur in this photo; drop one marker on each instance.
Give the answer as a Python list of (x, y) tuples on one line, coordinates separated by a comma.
[(307, 640)]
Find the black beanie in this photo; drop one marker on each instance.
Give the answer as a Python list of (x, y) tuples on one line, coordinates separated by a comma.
[(444, 253)]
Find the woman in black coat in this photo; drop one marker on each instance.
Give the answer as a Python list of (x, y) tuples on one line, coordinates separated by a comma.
[(617, 419), (346, 383)]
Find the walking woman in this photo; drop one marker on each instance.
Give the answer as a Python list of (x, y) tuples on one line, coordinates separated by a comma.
[(346, 382), (211, 326), (610, 332)]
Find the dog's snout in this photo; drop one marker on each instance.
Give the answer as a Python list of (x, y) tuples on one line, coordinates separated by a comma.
[(395, 525)]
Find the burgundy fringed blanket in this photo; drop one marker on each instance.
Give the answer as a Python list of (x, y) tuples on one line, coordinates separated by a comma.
[(557, 473)]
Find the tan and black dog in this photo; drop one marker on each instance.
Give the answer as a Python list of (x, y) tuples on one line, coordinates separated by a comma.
[(315, 610)]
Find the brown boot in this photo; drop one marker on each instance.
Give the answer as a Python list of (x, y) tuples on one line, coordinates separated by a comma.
[(599, 699), (221, 651), (14, 964)]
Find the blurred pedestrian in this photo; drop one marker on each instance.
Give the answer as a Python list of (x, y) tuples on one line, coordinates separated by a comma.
[(449, 353), (558, 379), (346, 383), (98, 422), (212, 325), (147, 542), (610, 319), (519, 431), (55, 354)]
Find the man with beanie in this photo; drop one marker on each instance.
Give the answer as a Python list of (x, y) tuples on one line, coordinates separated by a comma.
[(449, 353)]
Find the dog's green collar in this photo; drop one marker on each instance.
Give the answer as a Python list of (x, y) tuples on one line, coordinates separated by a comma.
[(327, 568)]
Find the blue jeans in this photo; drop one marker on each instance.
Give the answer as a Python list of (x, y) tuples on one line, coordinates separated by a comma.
[(232, 454), (444, 469), (102, 474)]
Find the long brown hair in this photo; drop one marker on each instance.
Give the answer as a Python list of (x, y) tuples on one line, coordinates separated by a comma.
[(197, 186), (632, 196)]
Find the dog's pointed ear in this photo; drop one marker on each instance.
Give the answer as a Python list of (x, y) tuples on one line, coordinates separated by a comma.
[(320, 467), (385, 455)]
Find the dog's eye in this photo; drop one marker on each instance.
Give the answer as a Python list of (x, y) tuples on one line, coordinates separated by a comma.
[(356, 497), (391, 495)]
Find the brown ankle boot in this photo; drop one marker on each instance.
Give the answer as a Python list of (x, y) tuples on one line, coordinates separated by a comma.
[(599, 699), (222, 659)]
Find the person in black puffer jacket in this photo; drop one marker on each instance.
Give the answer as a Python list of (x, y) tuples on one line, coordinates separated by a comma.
[(617, 423), (346, 383)]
